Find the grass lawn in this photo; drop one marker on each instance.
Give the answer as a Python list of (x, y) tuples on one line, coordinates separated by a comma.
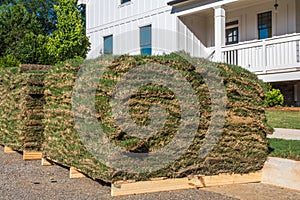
[(283, 119), (285, 148)]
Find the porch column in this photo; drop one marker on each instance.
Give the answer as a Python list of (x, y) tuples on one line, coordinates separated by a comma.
[(219, 32)]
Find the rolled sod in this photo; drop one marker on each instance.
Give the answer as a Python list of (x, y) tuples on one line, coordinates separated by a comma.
[(241, 147)]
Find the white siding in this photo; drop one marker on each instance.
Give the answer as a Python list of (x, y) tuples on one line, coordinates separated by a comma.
[(193, 33), (106, 17), (284, 21)]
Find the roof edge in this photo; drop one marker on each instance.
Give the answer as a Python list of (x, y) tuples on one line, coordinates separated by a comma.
[(174, 2)]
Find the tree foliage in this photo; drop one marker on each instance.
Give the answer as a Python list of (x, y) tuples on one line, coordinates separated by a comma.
[(8, 61), (32, 49), (15, 23), (42, 9), (31, 32), (69, 40)]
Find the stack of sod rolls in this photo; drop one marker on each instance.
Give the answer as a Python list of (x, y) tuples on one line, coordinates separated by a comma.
[(32, 102), (22, 107), (10, 109), (240, 148)]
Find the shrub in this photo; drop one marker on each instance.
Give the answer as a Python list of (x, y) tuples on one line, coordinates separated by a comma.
[(274, 98), (9, 61)]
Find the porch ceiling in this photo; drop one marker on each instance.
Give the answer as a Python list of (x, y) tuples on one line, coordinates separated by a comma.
[(281, 77), (188, 7)]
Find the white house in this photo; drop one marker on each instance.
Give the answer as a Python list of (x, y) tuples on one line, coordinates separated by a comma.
[(260, 35)]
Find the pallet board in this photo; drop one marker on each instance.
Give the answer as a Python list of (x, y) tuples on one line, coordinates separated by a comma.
[(9, 150), (74, 173), (45, 162), (123, 188), (28, 155)]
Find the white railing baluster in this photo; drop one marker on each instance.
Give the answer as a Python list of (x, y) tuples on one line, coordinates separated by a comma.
[(294, 53), (279, 52), (264, 56)]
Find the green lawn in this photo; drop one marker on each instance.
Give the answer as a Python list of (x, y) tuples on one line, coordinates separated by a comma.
[(283, 119), (285, 148)]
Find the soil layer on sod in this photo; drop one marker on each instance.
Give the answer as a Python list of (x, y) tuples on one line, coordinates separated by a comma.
[(241, 148)]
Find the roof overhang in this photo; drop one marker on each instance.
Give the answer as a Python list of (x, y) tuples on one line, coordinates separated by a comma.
[(291, 74), (174, 2), (186, 7)]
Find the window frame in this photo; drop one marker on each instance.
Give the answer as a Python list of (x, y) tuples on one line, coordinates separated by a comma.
[(143, 44), (269, 25), (104, 45), (232, 26)]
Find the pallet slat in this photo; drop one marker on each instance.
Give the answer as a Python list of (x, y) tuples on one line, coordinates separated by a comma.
[(122, 189), (8, 150), (75, 173), (27, 155), (45, 162)]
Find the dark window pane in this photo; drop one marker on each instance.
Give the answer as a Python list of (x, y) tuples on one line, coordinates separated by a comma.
[(146, 50), (264, 25), (232, 35), (124, 1), (108, 44), (146, 40)]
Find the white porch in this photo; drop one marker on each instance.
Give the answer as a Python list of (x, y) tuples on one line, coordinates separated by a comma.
[(274, 59), (208, 21)]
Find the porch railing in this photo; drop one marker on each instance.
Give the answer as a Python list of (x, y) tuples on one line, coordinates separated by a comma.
[(272, 54)]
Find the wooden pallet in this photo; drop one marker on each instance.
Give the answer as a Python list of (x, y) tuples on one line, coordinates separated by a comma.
[(122, 188), (9, 150), (46, 162), (74, 173), (30, 155)]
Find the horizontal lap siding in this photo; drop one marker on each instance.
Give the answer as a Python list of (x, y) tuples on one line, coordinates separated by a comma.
[(123, 22)]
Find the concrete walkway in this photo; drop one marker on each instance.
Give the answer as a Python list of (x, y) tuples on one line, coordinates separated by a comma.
[(287, 134)]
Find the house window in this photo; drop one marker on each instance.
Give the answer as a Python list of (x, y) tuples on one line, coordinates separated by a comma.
[(108, 44), (232, 32), (124, 1), (264, 25), (146, 40)]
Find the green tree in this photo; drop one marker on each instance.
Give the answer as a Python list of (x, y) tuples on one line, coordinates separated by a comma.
[(44, 12), (69, 40), (8, 61), (32, 49), (15, 23), (42, 9)]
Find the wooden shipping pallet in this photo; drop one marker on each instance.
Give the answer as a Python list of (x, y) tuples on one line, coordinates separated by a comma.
[(30, 155), (46, 162), (27, 155), (121, 188), (9, 150), (74, 173)]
